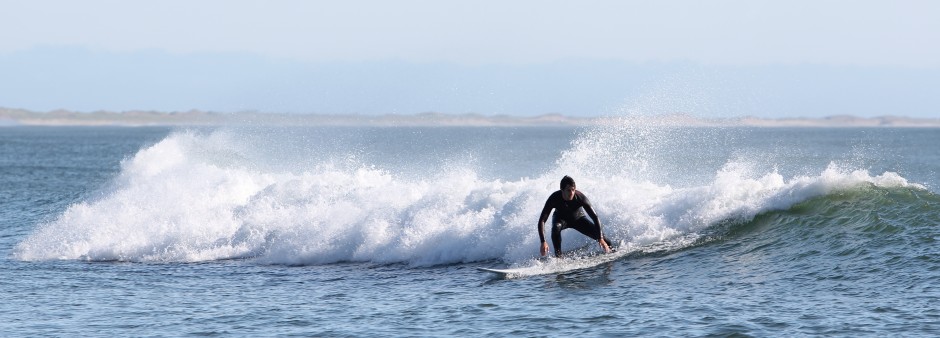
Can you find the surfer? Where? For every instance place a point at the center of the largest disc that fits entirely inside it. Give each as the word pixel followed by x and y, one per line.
pixel 570 205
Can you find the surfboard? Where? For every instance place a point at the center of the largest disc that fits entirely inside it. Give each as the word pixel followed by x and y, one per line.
pixel 556 265
pixel 499 272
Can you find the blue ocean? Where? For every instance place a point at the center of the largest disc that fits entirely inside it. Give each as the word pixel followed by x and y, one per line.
pixel 378 231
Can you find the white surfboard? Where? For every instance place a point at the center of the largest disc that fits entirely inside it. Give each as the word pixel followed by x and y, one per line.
pixel 556 265
pixel 500 272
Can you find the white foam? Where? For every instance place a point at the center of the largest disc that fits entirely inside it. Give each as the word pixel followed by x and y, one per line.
pixel 197 197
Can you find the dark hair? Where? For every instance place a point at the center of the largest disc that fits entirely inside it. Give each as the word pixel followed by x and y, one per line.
pixel 566 181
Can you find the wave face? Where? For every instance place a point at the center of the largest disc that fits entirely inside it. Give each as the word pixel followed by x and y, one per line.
pixel 869 241
pixel 426 196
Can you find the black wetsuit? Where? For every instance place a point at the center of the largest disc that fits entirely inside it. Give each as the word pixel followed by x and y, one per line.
pixel 570 214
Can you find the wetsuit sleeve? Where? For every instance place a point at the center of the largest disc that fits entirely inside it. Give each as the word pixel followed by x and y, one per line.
pixel 590 211
pixel 544 217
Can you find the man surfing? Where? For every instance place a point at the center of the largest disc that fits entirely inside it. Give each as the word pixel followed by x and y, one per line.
pixel 570 205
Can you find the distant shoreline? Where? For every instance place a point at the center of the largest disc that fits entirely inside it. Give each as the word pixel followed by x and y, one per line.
pixel 20 117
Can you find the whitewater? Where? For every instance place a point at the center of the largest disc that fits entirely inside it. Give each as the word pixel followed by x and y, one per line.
pixel 202 196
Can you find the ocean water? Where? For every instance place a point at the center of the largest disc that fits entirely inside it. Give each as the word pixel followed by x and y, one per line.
pixel 357 231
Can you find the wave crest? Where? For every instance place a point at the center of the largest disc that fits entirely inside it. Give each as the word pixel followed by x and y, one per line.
pixel 198 197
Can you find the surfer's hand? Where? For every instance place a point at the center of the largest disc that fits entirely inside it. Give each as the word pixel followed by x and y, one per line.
pixel 544 249
pixel 604 245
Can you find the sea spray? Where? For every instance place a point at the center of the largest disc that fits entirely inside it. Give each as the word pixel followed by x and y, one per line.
pixel 279 198
pixel 192 198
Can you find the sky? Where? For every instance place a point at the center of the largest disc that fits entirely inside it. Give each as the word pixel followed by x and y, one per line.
pixel 583 58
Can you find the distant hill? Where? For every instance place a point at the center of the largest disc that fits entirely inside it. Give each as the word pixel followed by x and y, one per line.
pixel 20 117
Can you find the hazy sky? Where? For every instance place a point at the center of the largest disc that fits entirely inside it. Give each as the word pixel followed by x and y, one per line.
pixel 763 58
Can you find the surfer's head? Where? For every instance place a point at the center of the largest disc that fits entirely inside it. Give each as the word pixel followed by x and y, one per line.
pixel 567 188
